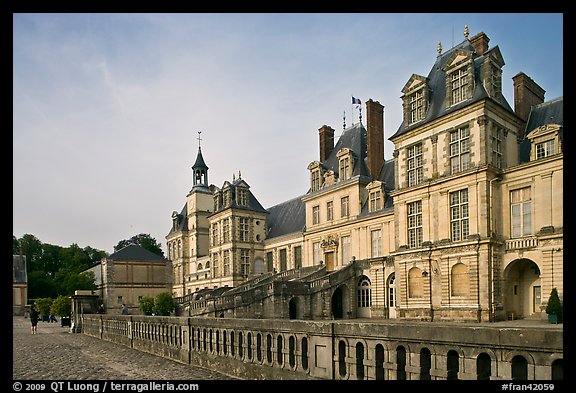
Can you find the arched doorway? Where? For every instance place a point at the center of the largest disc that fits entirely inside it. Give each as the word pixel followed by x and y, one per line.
pixel 340 303
pixel 522 289
pixel 294 308
pixel 364 298
pixel 391 295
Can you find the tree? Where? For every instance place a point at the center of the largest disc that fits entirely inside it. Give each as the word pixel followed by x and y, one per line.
pixel 554 306
pixel 32 248
pixel 145 241
pixel 44 304
pixel 62 306
pixel 41 285
pixel 69 282
pixel 163 304
pixel 146 305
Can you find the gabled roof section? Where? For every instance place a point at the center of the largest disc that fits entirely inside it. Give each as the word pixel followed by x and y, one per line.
pixel 181 221
pixel 135 252
pixel 437 84
pixel 547 113
pixel 415 82
pixel 353 138
pixel 286 217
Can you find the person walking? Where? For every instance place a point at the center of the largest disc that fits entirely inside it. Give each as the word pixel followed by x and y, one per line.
pixel 34 315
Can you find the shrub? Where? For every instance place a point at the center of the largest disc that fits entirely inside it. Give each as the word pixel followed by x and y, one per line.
pixel 163 304
pixel 62 306
pixel 146 305
pixel 44 305
pixel 554 305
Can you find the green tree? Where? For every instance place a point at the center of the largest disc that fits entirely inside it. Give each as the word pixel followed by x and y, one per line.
pixel 146 305
pixel 32 248
pixel 163 304
pixel 44 304
pixel 554 306
pixel 41 285
pixel 145 241
pixel 62 306
pixel 70 281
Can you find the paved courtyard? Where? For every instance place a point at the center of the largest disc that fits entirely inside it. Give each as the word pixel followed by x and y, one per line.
pixel 55 354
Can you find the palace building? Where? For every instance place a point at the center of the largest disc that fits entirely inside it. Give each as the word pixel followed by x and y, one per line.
pixel 464 223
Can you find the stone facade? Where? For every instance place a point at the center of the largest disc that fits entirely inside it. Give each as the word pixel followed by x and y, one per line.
pixel 464 223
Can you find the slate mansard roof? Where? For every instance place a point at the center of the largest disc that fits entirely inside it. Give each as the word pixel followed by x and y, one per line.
pixel 546 113
pixel 437 88
pixel 286 217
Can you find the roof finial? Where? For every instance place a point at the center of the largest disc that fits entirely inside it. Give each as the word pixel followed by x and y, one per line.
pixel 239 174
pixel 439 49
pixel 199 139
pixel 466 31
pixel 344 125
pixel 233 177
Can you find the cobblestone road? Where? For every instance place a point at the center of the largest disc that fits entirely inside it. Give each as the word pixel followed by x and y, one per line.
pixel 53 353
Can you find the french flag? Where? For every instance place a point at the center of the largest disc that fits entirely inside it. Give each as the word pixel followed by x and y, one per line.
pixel 356 101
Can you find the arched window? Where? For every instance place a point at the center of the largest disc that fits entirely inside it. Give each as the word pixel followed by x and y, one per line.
pixel 364 293
pixel 483 367
pixel 415 283
pixel 425 364
pixel 342 358
pixel 519 368
pixel 400 363
pixel 460 282
pixel 379 355
pixel 359 360
pixel 452 365
pixel 305 353
pixel 558 369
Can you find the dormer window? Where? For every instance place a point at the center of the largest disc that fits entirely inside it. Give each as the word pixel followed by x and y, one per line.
pixel 459 71
pixel 316 176
pixel 415 99
pixel 242 197
pixel 375 196
pixel 345 163
pixel 545 141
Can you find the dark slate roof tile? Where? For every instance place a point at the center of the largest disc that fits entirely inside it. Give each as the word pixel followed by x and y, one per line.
pixel 134 252
pixel 286 217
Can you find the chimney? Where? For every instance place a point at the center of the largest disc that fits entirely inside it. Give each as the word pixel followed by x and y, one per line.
pixel 375 142
pixel 480 43
pixel 526 94
pixel 326 142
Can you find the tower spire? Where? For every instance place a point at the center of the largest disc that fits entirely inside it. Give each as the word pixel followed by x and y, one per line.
pixel 199 169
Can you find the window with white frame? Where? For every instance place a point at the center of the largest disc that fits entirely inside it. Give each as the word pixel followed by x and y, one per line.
pixel 315 215
pixel 545 149
pixel 364 298
pixel 416 106
pixel 344 167
pixel 215 234
pixel 345 206
pixel 521 212
pixel 244 262
pixel 226 262
pixel 329 211
pixel 345 241
pixel 242 196
pixel 459 220
pixel 376 242
pixel 215 264
pixel 415 224
pixel 497 144
pixel 415 165
pixel 459 149
pixel 244 229
pixel 460 88
pixel 316 253
pixel 225 230
pixel 375 200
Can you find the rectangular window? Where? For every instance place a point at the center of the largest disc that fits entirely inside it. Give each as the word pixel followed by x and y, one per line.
pixel 297 257
pixel 243 229
pixel 316 215
pixel 215 234
pixel 459 150
pixel 497 147
pixel 344 207
pixel 226 230
pixel 316 253
pixel 329 211
pixel 416 107
pixel 270 261
pixel 215 264
pixel 344 168
pixel 376 241
pixel 283 259
pixel 226 262
pixel 459 85
pixel 119 300
pixel 345 249
pixel 415 224
pixel 521 212
pixel 242 197
pixel 315 180
pixel 244 262
pixel 459 221
pixel 415 165
pixel 545 149
pixel 375 200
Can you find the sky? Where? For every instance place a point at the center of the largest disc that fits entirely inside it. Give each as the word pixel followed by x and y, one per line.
pixel 107 107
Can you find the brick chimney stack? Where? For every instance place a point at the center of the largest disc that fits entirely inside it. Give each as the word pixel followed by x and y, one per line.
pixel 480 43
pixel 375 142
pixel 326 142
pixel 527 93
